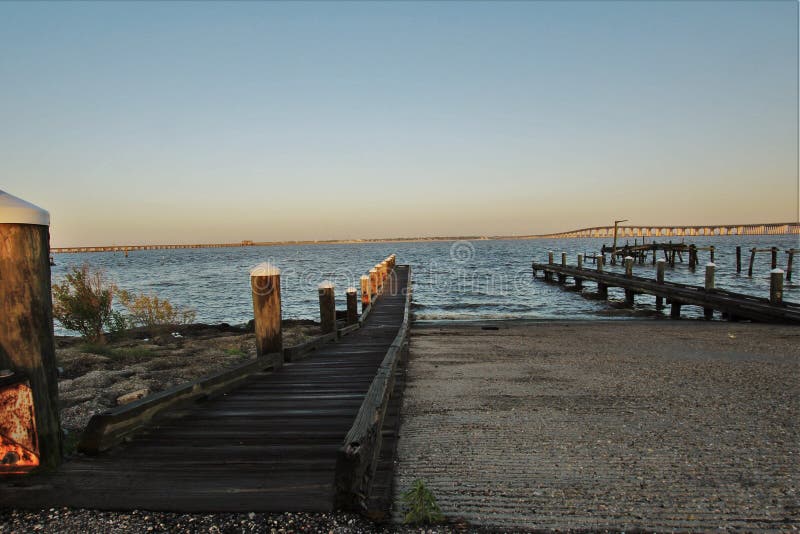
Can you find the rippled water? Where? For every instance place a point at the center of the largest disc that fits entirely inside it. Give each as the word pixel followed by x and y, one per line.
pixel 481 279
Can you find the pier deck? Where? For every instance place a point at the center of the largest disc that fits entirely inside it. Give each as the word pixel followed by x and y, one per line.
pixel 731 304
pixel 269 445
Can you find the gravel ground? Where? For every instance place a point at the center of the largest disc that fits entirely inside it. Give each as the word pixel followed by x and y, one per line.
pixel 70 521
pixel 655 425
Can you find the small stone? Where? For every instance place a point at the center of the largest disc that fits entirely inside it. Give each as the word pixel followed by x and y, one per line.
pixel 132 396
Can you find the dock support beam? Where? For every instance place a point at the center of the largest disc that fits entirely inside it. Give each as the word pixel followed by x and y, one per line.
pixel 675 310
pixel 776 286
pixel 738 259
pixel 710 269
pixel 660 268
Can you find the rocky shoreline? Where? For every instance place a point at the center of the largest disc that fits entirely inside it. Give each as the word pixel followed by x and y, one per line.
pixel 94 378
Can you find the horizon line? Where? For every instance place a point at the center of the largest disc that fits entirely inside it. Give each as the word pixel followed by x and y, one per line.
pixel 792 228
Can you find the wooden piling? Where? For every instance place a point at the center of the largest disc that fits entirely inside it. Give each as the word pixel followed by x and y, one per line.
pixel 600 262
pixel 675 309
pixel 550 257
pixel 327 307
pixel 365 293
pixel 660 269
pixel 752 260
pixel 564 259
pixel 373 283
pixel 738 259
pixel 379 270
pixel 628 266
pixel 774 258
pixel 26 316
pixel 776 286
pixel 580 261
pixel 265 284
pixel 692 256
pixel 629 293
pixel 711 253
pixel 709 286
pixel 352 305
pixel 789 265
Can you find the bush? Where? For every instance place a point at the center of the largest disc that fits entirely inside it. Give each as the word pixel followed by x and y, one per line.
pixel 420 505
pixel 83 302
pixel 152 312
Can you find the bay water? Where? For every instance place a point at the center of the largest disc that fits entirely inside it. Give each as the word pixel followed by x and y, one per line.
pixel 452 280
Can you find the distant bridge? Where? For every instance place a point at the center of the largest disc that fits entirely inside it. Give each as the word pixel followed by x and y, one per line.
pixel 597 231
pixel 681 231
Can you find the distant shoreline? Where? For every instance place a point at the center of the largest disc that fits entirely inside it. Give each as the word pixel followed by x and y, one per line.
pixel 599 232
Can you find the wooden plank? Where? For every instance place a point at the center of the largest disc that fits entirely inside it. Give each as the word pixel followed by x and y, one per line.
pixel 271 444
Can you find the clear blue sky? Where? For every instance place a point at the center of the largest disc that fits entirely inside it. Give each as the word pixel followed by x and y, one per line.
pixel 186 122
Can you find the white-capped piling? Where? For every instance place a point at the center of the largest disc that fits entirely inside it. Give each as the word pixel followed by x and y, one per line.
pixel 265 285
pixel 365 292
pixel 373 282
pixel 629 293
pixel 26 315
pixel 352 305
pixel 379 277
pixel 710 271
pixel 327 307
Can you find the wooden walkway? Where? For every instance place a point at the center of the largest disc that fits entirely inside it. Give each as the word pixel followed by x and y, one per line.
pixel 270 445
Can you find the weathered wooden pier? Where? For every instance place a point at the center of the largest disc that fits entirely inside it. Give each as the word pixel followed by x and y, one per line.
pixel 731 305
pixel 308 428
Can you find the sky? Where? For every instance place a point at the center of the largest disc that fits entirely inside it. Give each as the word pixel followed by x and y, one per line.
pixel 186 122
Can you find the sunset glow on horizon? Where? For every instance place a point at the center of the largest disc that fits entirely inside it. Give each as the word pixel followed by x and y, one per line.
pixel 139 123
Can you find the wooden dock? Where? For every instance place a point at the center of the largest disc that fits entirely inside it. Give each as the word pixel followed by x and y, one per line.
pixel 270 445
pixel 731 305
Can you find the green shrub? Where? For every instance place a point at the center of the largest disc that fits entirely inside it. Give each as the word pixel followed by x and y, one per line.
pixel 82 302
pixel 152 312
pixel 420 505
